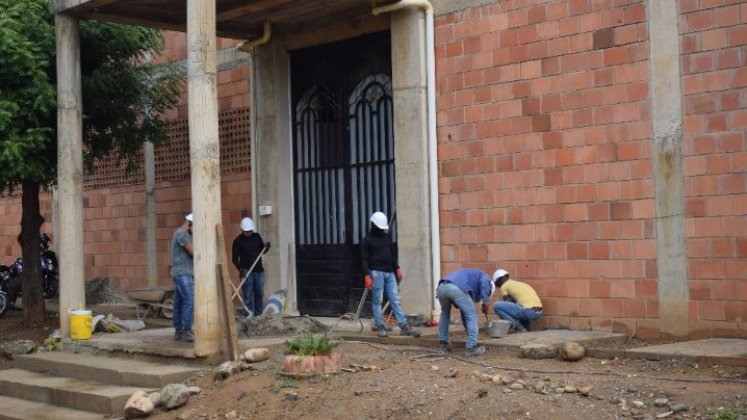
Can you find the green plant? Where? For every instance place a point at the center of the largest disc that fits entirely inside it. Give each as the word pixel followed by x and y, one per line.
pixel 729 414
pixel 309 345
pixel 284 383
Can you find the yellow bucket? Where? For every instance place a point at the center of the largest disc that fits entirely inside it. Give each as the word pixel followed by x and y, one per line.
pixel 81 321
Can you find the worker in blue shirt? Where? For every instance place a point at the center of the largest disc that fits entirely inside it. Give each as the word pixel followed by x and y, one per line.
pixel 463 288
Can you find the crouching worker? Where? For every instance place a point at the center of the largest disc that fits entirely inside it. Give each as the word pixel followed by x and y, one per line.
pixel 520 304
pixel 463 288
pixel 380 266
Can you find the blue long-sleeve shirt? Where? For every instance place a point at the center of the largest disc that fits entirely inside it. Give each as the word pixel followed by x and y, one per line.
pixel 474 282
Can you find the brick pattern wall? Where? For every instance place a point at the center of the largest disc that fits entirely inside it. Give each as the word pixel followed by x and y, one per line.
pixel 545 157
pixel 713 39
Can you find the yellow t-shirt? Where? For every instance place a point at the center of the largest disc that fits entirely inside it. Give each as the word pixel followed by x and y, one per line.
pixel 522 293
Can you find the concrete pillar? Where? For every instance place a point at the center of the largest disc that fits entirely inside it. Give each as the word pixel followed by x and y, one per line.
pixel 411 159
pixel 204 151
pixel 150 214
pixel 69 168
pixel 272 176
pixel 666 106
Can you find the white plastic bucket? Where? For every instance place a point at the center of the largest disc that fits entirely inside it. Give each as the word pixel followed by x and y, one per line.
pixel 498 328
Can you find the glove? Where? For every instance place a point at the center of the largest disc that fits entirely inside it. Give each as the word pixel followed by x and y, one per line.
pixel 398 274
pixel 368 282
pixel 485 308
pixel 267 246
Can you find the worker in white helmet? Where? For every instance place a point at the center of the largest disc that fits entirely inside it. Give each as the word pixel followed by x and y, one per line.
pixel 183 275
pixel 246 252
pixel 382 273
pixel 520 304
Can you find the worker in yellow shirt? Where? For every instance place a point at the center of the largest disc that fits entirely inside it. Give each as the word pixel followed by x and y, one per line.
pixel 520 304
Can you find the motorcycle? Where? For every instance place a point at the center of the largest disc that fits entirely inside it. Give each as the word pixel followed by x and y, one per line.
pixel 50 269
pixel 4 277
pixel 10 284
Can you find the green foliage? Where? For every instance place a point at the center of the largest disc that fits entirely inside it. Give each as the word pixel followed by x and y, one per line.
pixel 729 414
pixel 283 383
pixel 309 345
pixel 124 94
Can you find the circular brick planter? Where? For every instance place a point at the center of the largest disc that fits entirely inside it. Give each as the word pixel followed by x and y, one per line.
pixel 312 365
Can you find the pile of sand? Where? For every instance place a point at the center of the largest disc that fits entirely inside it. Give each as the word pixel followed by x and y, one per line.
pixel 274 325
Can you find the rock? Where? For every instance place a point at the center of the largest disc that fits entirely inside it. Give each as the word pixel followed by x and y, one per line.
pixel 538 351
pixel 455 373
pixel 227 369
pixel 486 378
pixel 17 348
pixel 570 389
pixel 560 390
pixel 256 355
pixel 585 390
pixel 231 415
pixel 174 396
pixel 482 393
pixel 496 379
pixel 661 402
pixel 539 386
pixel 434 368
pixel 185 415
pixel 138 406
pixel 516 386
pixel 194 390
pixel 571 351
pixel 638 404
pixel 678 408
pixel 507 380
pixel 155 397
pixel 507 391
pixel 664 415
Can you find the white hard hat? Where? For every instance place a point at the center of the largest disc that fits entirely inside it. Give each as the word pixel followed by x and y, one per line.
pixel 499 273
pixel 189 218
pixel 379 219
pixel 492 288
pixel 247 224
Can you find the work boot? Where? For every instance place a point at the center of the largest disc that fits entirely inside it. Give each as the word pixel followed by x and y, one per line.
pixel 381 331
pixel 188 337
pixel 474 351
pixel 406 329
pixel 374 328
pixel 178 335
pixel 444 347
pixel 518 328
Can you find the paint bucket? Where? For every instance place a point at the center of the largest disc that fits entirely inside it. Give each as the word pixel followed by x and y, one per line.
pixel 81 324
pixel 275 304
pixel 498 328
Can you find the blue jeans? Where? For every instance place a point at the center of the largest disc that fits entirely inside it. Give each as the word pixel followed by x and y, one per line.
pixel 515 313
pixel 254 289
pixel 448 295
pixel 184 302
pixel 385 282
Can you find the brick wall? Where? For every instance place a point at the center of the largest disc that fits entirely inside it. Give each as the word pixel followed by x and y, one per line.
pixel 713 39
pixel 545 156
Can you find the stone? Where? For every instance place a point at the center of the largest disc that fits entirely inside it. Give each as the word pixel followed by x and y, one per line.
pixel 231 415
pixel 516 386
pixel 507 380
pixel 507 391
pixel 138 406
pixel 174 396
pixel 560 390
pixel 678 408
pixel 496 379
pixel 194 390
pixel 572 351
pixel 664 415
pixel 256 355
pixel 638 404
pixel 539 386
pixel 538 351
pixel 227 369
pixel 585 390
pixel 434 368
pixel 155 397
pixel 17 348
pixel 570 389
pixel 661 402
pixel 186 415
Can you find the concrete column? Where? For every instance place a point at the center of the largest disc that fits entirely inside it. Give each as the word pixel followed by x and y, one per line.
pixel 666 105
pixel 150 214
pixel 69 169
pixel 411 158
pixel 273 174
pixel 204 151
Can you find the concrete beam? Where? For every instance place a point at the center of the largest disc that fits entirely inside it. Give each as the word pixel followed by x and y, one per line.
pixel 69 169
pixel 76 6
pixel 669 177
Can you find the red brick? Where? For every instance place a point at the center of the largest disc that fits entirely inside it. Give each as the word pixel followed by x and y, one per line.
pixel 577 251
pixel 541 123
pixel 737 35
pixel 714 39
pixel 577 7
pixel 612 308
pixel 699 21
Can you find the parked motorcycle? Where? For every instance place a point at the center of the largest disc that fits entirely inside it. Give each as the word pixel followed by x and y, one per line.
pixel 10 284
pixel 4 277
pixel 11 276
pixel 50 269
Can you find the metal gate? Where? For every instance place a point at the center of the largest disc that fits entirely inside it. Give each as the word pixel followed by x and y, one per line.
pixel 343 165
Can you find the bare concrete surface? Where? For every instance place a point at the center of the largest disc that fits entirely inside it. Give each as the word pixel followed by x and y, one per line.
pixel 18 409
pixel 715 350
pixel 118 371
pixel 155 341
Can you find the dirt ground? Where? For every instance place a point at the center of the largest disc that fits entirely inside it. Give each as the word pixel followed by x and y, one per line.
pixel 402 384
pixel 407 386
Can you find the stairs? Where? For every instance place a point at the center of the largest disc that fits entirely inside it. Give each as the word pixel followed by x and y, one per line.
pixel 60 385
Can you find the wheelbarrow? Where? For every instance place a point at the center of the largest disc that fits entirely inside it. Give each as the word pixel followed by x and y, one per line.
pixel 153 301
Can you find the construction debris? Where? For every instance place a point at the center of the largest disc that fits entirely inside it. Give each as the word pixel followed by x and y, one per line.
pixel 100 290
pixel 277 325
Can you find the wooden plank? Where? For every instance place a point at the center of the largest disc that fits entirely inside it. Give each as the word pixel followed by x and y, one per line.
pixel 224 289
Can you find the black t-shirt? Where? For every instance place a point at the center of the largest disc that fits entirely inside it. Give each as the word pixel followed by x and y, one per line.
pixel 376 252
pixel 246 250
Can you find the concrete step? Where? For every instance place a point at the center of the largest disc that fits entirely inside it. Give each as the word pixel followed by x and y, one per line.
pixel 125 372
pixel 17 409
pixel 96 397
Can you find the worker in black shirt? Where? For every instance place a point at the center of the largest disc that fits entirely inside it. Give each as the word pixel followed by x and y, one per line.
pixel 247 248
pixel 380 266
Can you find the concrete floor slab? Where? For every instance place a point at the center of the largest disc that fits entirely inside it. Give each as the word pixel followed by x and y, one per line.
pixel 20 409
pixel 710 348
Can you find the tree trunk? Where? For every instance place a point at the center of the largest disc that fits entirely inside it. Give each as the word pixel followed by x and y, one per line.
pixel 31 221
